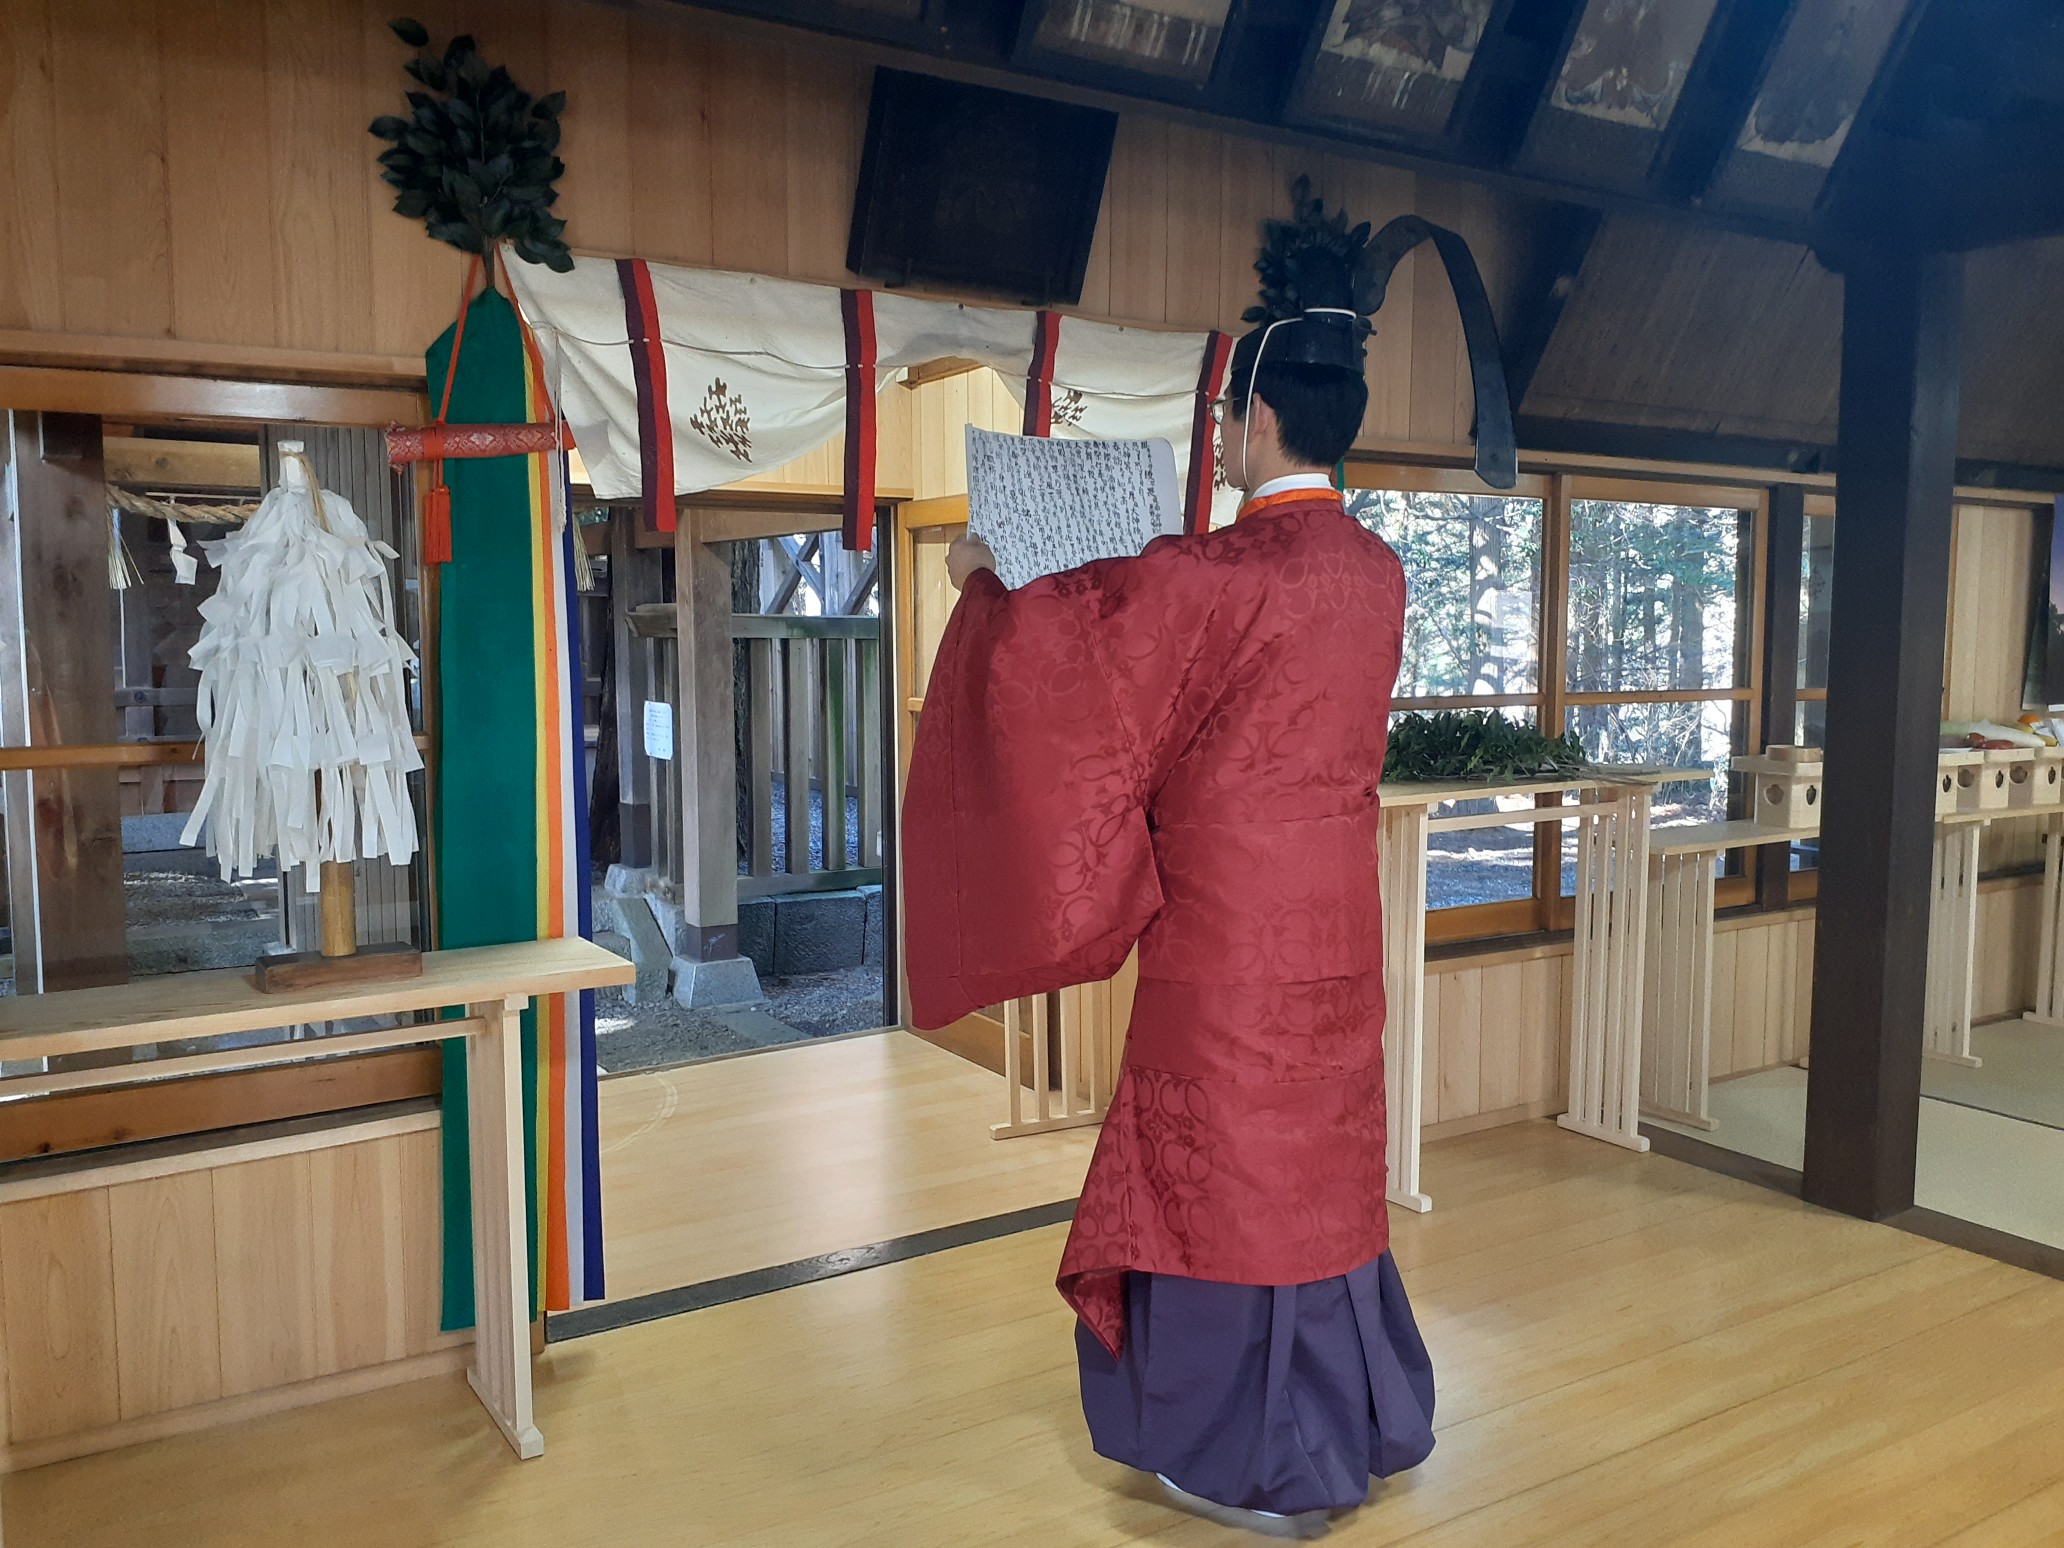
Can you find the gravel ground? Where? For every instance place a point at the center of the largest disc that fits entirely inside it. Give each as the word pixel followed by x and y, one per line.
pixel 637 1037
pixel 176 898
pixel 816 829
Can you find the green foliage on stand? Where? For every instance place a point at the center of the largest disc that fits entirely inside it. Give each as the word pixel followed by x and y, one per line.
pixel 1475 744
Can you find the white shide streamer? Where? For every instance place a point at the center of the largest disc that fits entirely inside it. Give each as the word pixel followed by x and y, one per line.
pixel 304 689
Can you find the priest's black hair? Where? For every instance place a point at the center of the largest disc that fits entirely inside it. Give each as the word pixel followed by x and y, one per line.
pixel 1318 409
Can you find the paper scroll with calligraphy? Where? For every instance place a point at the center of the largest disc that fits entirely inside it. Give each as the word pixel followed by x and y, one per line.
pixel 1044 505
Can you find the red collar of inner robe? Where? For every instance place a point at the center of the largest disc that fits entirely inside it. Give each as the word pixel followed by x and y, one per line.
pixel 1287 497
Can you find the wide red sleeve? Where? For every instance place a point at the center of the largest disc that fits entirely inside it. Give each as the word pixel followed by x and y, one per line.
pixel 1051 714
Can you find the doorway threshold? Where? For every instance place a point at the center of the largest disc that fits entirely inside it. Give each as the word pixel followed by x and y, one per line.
pixel 561 1327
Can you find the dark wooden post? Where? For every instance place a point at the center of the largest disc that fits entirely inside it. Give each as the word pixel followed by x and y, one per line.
pixel 634 579
pixel 57 688
pixel 1783 573
pixel 708 969
pixel 1902 337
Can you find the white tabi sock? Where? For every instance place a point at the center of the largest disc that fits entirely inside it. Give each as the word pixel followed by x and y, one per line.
pixel 1263 1523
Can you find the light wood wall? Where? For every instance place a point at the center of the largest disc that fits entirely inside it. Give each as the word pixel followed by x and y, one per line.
pixel 1992 552
pixel 941 412
pixel 1497 1040
pixel 1762 992
pixel 193 181
pixel 141 1299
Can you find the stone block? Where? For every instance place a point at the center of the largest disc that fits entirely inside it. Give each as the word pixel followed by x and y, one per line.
pixel 631 878
pixel 707 985
pixel 756 932
pixel 876 924
pixel 819 932
pixel 672 917
pixel 651 952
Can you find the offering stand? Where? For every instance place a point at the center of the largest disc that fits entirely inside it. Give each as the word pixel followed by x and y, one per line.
pixel 1612 817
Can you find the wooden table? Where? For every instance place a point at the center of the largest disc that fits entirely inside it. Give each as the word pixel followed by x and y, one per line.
pixel 492 983
pixel 1612 816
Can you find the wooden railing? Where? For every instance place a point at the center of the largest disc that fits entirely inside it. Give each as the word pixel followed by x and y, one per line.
pixel 811 771
pixel 813 716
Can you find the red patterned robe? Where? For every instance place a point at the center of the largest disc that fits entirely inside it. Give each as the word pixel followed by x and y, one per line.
pixel 1181 750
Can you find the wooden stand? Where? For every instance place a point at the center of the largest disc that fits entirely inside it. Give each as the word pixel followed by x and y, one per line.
pixel 281 971
pixel 492 983
pixel 1676 1056
pixel 340 961
pixel 1611 917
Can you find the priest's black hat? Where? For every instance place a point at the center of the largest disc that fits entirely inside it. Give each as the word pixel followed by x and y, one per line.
pixel 1320 284
pixel 1316 294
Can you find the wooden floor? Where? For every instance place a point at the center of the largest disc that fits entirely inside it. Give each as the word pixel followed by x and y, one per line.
pixel 714 1169
pixel 1629 1352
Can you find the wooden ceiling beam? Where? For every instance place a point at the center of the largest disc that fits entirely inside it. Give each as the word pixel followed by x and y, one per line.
pixel 1523 46
pixel 938 370
pixel 1733 59
pixel 149 463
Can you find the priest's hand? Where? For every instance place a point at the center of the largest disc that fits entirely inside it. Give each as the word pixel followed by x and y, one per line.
pixel 967 555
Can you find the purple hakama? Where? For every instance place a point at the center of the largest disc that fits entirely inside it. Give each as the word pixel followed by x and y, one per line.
pixel 1273 1398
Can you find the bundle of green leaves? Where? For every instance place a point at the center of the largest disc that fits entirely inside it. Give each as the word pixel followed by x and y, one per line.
pixel 1475 744
pixel 474 160
pixel 1315 259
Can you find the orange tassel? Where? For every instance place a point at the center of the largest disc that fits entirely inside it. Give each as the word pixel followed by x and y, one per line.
pixel 437 537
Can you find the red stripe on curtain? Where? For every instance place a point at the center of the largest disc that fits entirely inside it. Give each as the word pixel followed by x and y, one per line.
pixel 1218 351
pixel 648 371
pixel 1046 340
pixel 856 308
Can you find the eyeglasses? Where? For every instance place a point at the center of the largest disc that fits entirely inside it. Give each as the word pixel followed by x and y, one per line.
pixel 1218 409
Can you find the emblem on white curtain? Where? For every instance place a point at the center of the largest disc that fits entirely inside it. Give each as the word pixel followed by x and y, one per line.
pixel 1068 407
pixel 1218 478
pixel 723 421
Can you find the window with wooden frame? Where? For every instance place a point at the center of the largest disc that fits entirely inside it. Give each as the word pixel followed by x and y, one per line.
pixel 1625 611
pixel 1662 666
pixel 1816 596
pixel 1474 567
pixel 135 902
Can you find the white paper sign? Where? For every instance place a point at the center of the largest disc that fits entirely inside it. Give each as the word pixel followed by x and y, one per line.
pixel 1044 506
pixel 659 729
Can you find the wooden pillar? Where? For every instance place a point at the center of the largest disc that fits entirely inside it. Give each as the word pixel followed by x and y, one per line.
pixel 1896 457
pixel 634 579
pixel 1784 574
pixel 708 969
pixel 57 680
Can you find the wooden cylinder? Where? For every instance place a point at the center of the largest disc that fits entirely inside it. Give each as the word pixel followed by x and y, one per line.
pixel 339 910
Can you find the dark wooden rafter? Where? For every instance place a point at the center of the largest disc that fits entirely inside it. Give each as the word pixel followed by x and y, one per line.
pixel 1252 102
pixel 1523 45
pixel 1561 244
pixel 1718 93
pixel 1966 132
